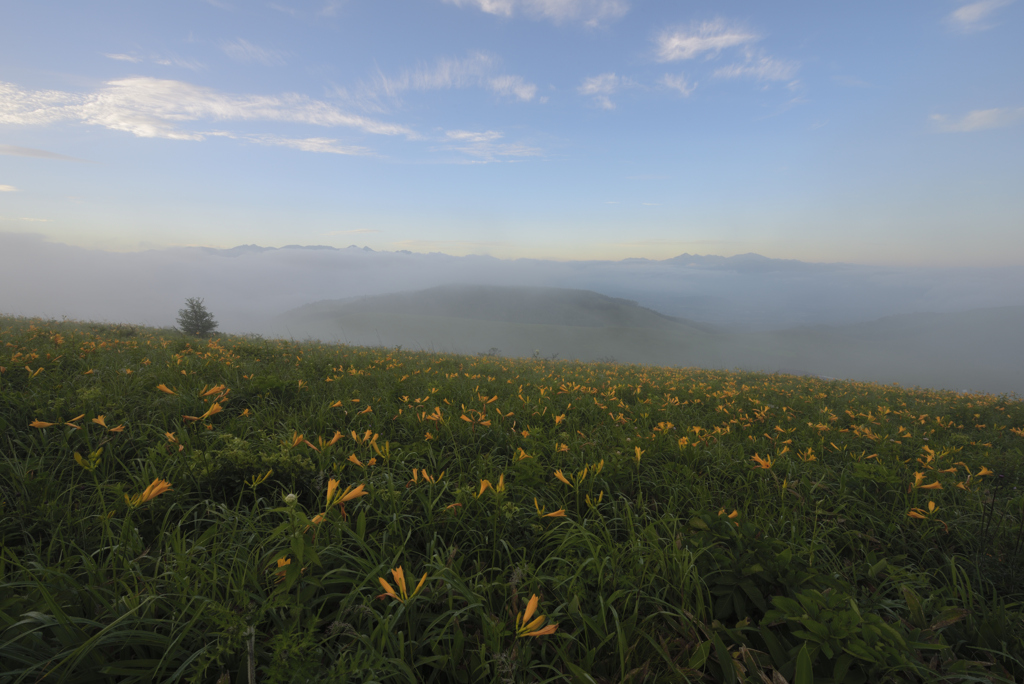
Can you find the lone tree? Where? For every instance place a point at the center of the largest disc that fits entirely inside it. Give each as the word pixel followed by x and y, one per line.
pixel 194 319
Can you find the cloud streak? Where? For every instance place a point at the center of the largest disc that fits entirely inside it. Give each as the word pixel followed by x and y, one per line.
pixel 974 16
pixel 8 188
pixel 709 37
pixel 979 120
pixel 157 108
pixel 601 88
pixel 760 66
pixel 484 146
pixel 476 70
pixel 588 12
pixel 678 83
pixel 16 151
pixel 244 52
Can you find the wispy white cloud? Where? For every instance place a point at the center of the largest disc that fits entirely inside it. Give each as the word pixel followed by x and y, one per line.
pixel 761 67
pixel 325 145
pixel 162 60
pixel 979 120
pixel 245 52
pixel 484 146
pixel 123 58
pixel 156 108
pixel 8 188
pixel 514 86
pixel 678 83
pixel 174 60
pixel 474 71
pixel 588 12
pixel 708 37
pixel 16 151
pixel 330 8
pixel 282 8
pixel 601 87
pixel 974 16
pixel 24 218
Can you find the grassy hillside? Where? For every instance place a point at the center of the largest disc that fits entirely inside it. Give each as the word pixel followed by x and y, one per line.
pixel 239 509
pixel 973 350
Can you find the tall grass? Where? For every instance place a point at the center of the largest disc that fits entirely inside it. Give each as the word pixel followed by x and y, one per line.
pixel 676 524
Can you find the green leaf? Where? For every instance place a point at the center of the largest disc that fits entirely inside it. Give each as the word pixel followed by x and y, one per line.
pixel 842 666
pixel 361 525
pixel 700 656
pixel 725 660
pixel 804 667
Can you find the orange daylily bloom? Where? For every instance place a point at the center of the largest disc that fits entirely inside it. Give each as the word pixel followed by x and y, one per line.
pixel 163 388
pixel 281 562
pixel 216 408
pixel 155 489
pixel 40 424
pixel 100 420
pixel 985 471
pixel 353 459
pixel 399 577
pixel 560 476
pixel 919 478
pixel 525 627
pixel 350 493
pixel 764 463
pixel 484 484
pixel 921 514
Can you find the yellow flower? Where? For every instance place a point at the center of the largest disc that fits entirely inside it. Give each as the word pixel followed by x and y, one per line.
pixel 764 463
pixel 100 420
pixel 216 408
pixel 639 452
pixel 333 497
pixel 281 562
pixel 919 478
pixel 484 484
pixel 561 477
pixel 525 627
pixel 163 388
pixel 155 489
pixel 921 514
pixel 985 471
pixel 40 424
pixel 399 577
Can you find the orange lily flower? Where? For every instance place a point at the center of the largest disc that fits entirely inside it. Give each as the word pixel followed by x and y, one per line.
pixel 527 628
pixel 155 489
pixel 40 424
pixel 399 577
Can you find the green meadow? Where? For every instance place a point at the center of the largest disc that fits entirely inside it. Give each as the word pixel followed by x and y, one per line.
pixel 239 510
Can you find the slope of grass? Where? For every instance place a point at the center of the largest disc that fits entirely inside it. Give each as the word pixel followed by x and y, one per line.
pixel 226 511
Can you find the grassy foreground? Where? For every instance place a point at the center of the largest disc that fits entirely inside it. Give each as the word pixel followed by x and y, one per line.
pixel 238 510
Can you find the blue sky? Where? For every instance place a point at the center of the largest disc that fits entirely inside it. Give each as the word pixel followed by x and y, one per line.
pixel 874 132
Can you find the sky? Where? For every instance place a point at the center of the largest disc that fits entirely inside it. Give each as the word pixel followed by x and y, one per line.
pixel 871 133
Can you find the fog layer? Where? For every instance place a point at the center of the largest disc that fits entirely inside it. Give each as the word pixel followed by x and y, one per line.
pixel 778 305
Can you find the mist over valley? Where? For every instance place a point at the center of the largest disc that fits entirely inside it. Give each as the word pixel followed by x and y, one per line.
pixel 945 328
